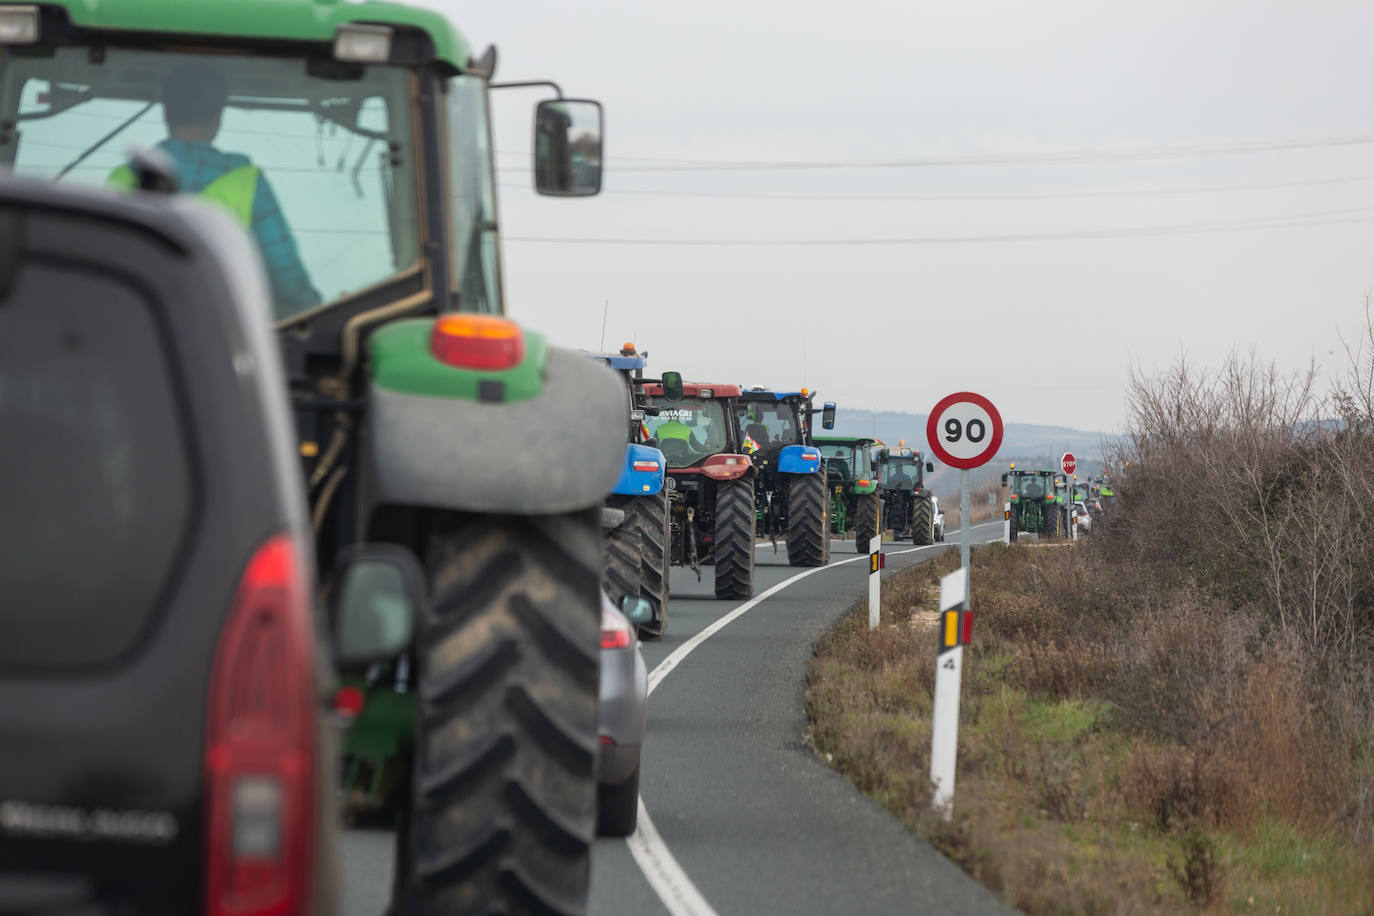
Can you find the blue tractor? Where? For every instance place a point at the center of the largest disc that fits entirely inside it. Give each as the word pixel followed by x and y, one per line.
pixel 791 494
pixel 635 515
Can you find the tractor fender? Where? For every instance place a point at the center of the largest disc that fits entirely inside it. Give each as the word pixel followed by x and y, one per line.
pixel 559 451
pixel 637 481
pixel 799 459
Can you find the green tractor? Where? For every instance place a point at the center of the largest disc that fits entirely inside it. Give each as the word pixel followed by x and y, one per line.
pixel 855 504
pixel 352 142
pixel 908 507
pixel 1037 504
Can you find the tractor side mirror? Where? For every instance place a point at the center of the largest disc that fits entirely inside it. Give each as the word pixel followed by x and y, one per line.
pixel 828 416
pixel 567 147
pixel 930 467
pixel 377 594
pixel 1004 480
pixel 636 609
pixel 672 386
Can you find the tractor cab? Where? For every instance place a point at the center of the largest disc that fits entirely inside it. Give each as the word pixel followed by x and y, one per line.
pixel 695 427
pixel 351 140
pixel 849 462
pixel 770 421
pixel 901 468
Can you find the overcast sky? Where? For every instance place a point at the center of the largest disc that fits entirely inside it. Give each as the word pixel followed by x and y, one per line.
pixel 897 326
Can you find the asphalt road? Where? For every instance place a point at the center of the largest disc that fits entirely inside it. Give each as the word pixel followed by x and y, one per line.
pixel 745 818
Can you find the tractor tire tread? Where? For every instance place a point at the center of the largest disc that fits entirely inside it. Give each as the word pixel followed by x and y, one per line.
pixel 808 520
pixel 504 807
pixel 734 538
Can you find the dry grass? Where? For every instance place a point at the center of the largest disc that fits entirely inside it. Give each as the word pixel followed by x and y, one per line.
pixel 985 504
pixel 1123 748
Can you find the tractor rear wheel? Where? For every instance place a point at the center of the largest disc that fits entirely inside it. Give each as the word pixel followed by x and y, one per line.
pixel 503 809
pixel 808 520
pixel 649 517
pixel 922 522
pixel 624 543
pixel 734 538
pixel 1051 523
pixel 866 525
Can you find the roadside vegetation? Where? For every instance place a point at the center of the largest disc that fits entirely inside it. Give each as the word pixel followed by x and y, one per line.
pixel 1175 715
pixel 984 504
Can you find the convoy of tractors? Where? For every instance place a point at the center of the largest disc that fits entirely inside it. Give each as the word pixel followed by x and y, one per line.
pixel 424 421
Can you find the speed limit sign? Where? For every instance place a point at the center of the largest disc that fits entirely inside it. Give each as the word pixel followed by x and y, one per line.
pixel 964 430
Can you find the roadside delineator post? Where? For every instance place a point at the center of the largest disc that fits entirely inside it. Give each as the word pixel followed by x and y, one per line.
pixel 956 629
pixel 876 561
pixel 1006 523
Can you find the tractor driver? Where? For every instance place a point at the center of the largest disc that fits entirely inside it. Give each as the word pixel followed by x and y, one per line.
pixel 901 480
pixel 193 101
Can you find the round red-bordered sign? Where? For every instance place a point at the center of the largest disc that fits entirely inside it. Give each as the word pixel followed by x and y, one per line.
pixel 964 430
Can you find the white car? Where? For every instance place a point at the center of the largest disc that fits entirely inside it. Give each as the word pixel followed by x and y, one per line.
pixel 939 519
pixel 1084 517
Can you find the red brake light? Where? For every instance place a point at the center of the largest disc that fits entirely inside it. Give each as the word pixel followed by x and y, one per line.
pixel 864 483
pixel 615 630
pixel 349 702
pixel 645 465
pixel 260 744
pixel 477 342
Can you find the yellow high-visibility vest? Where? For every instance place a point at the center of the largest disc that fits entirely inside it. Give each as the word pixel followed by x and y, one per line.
pixel 234 190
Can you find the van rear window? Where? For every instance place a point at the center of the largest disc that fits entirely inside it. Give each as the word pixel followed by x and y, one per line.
pixel 95 487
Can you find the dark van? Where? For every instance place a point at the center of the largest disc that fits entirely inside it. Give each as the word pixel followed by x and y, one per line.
pixel 165 739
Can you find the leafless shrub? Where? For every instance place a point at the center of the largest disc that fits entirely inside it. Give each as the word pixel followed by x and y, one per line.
pixel 1263 490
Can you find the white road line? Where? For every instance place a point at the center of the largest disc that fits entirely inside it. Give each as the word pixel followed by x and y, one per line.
pixel 679 895
pixel 667 878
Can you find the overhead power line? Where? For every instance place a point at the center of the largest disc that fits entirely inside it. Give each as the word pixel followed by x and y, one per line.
pixel 1295 220
pixel 1046 158
pixel 936 198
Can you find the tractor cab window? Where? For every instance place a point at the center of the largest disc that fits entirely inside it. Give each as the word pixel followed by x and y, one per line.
pixel 688 430
pixel 314 159
pixel 901 474
pixel 1033 486
pixel 839 460
pixel 770 424
pixel 476 271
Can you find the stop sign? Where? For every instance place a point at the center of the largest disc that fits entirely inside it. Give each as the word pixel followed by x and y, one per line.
pixel 1068 464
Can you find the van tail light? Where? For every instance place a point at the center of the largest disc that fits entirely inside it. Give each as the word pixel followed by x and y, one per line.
pixel 260 743
pixel 615 629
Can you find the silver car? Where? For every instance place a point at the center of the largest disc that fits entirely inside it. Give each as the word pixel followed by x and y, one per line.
pixel 624 710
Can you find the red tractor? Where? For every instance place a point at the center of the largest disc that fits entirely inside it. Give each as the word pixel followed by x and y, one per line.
pixel 710 481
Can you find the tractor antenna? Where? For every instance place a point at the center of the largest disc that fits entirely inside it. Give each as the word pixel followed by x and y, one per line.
pixel 605 307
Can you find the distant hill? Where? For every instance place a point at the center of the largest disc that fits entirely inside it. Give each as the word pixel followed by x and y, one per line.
pixel 1027 444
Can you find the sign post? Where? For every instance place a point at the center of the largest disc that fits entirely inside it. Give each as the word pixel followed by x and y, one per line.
pixel 964 431
pixel 1068 464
